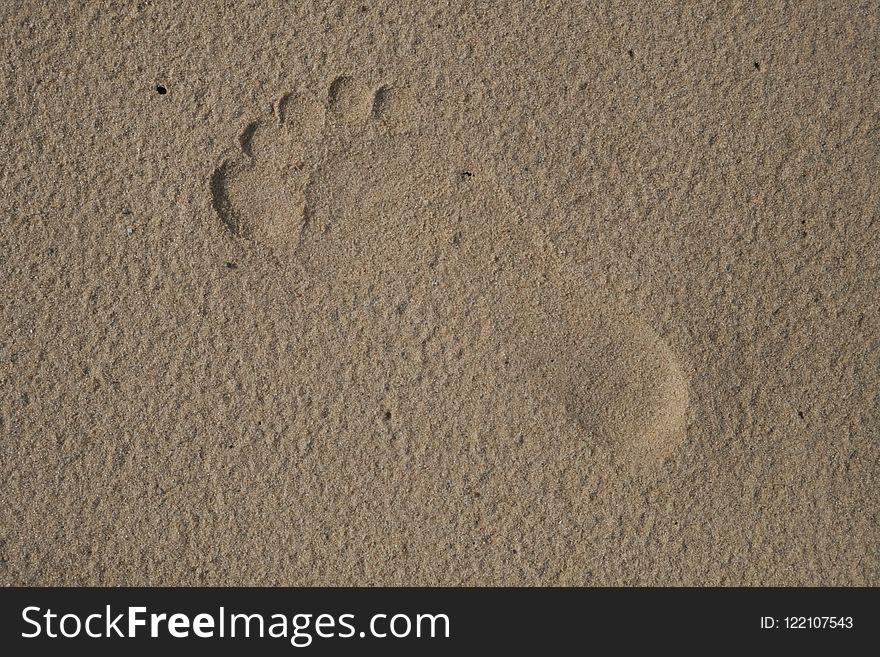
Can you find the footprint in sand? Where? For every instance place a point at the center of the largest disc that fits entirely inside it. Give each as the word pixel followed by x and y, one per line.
pixel 332 181
pixel 261 193
pixel 307 178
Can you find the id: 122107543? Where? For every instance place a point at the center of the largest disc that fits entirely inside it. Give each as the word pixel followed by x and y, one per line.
pixel 807 623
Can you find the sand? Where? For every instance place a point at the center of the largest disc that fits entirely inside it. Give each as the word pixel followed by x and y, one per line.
pixel 448 293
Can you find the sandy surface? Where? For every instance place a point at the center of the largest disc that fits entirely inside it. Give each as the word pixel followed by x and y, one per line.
pixel 378 293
